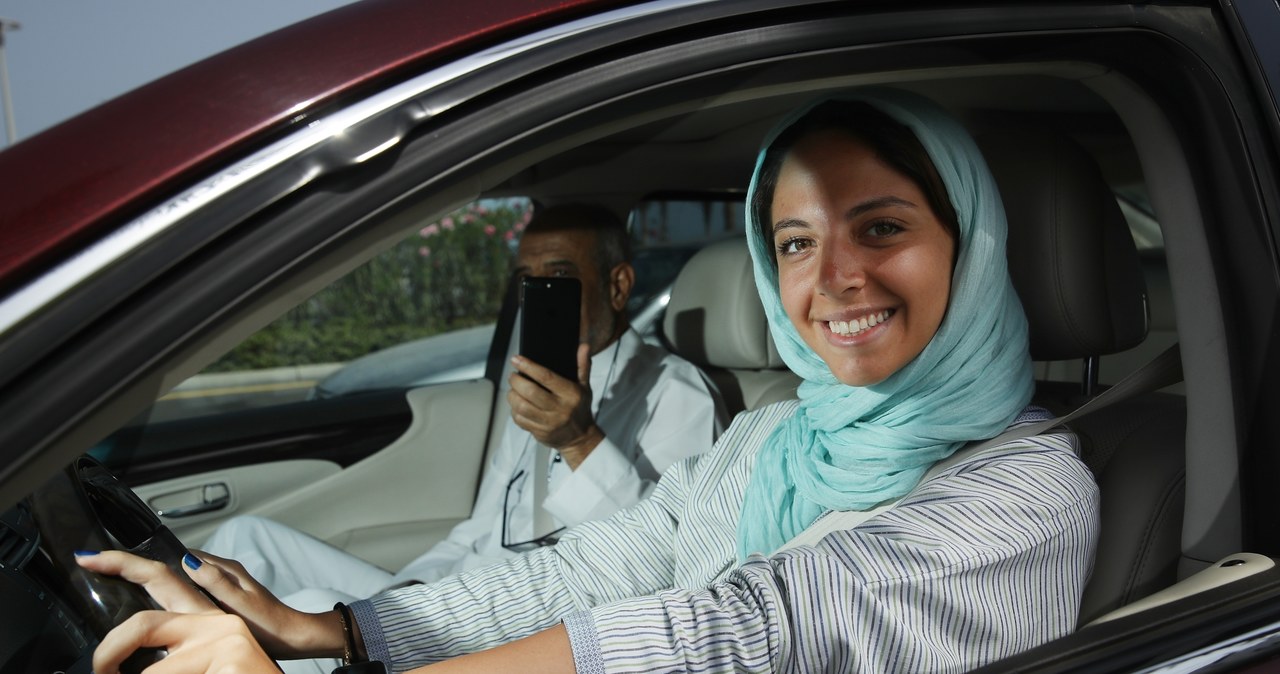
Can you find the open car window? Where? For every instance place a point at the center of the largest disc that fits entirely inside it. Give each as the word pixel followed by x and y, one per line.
pixel 421 312
pixel 446 278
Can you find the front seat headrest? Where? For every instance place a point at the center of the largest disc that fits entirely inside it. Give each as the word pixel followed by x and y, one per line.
pixel 1072 259
pixel 715 317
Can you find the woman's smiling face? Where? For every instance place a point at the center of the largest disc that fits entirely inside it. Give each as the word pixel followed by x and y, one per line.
pixel 864 264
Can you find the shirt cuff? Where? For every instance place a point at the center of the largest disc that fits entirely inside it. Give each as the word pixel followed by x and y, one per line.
pixel 587 658
pixel 596 480
pixel 375 642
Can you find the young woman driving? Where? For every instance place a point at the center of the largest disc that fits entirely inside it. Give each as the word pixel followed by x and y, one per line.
pixel 877 237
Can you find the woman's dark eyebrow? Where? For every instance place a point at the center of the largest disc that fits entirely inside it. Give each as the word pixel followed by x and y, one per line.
pixel 788 223
pixel 879 202
pixel 868 205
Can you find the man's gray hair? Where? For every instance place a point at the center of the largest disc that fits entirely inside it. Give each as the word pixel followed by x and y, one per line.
pixel 612 243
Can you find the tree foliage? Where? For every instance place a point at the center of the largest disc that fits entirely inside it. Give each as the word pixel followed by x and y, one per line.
pixel 448 275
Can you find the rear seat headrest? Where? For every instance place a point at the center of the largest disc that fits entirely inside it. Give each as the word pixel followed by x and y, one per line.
pixel 1072 259
pixel 715 296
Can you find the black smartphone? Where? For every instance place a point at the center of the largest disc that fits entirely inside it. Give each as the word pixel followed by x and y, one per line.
pixel 550 311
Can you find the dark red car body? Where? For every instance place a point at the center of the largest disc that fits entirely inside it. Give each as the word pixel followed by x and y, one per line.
pixel 140 146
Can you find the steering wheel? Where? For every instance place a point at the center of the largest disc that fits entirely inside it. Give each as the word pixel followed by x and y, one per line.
pixel 86 507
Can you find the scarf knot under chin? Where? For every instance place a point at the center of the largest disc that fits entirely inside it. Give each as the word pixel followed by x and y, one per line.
pixel 852 448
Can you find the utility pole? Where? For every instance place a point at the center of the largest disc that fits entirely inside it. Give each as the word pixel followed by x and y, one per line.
pixel 10 127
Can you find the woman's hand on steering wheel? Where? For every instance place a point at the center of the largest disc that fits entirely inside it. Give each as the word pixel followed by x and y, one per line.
pixel 260 617
pixel 198 635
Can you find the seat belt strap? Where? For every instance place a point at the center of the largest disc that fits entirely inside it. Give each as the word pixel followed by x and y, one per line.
pixel 1163 370
pixel 542 522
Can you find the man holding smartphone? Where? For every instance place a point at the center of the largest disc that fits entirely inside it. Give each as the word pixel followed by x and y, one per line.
pixel 573 450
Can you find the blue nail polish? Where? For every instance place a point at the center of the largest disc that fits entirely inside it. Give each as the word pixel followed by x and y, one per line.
pixel 85 553
pixel 191 561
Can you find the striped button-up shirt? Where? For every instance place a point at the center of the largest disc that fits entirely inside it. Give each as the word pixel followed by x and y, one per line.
pixel 984 560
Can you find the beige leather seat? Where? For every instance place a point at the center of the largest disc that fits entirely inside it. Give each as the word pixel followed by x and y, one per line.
pixel 715 320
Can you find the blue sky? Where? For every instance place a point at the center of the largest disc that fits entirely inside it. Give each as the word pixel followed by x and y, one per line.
pixel 70 55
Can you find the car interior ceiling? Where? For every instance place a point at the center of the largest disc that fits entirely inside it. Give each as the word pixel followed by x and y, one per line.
pixel 652 150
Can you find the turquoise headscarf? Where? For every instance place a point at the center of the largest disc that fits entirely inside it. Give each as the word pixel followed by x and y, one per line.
pixel 851 448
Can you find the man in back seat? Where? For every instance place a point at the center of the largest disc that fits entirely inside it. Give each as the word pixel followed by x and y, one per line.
pixel 601 442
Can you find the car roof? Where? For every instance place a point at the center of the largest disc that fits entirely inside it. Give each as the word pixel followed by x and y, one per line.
pixel 134 149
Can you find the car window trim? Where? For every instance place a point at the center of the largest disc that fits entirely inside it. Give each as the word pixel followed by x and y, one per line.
pixel 360 132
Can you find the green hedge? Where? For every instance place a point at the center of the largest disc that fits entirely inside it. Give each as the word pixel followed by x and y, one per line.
pixel 448 275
